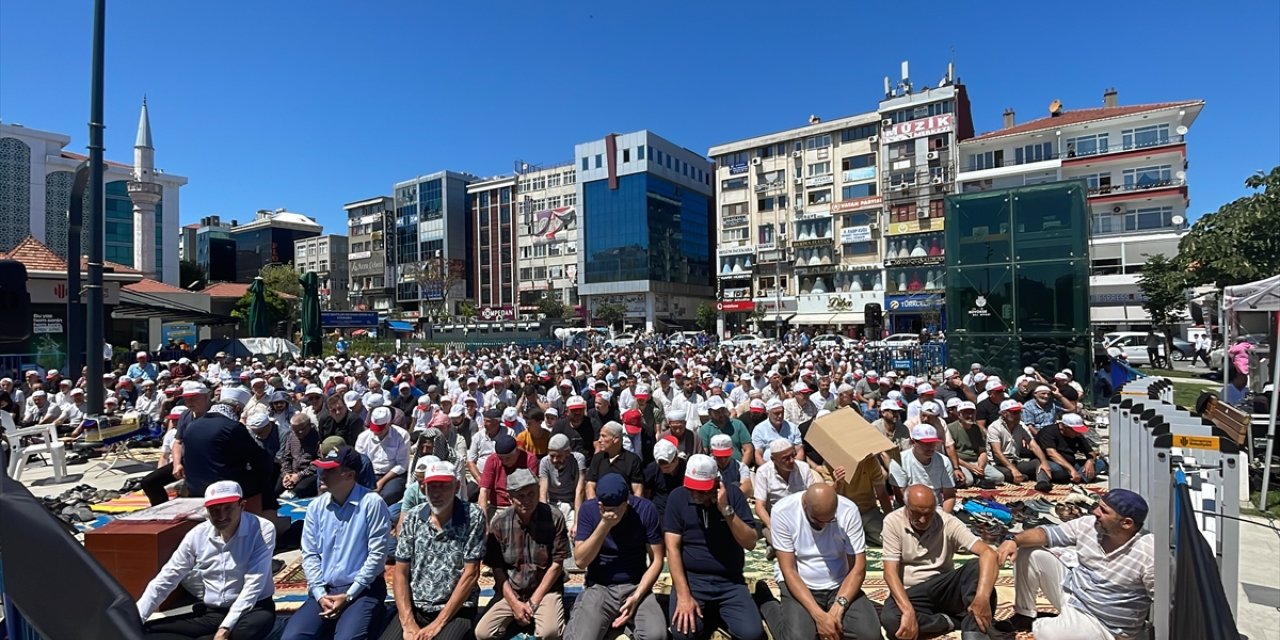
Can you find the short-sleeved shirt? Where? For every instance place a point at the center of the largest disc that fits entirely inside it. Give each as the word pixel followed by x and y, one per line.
pixel 1116 588
pixel 764 433
pixel 935 475
pixel 494 476
pixel 622 558
pixel 768 487
pixel 735 430
pixel 970 442
pixel 712 558
pixel 527 551
pixel 924 555
pixel 1051 437
pixel 988 411
pixel 626 464
pixel 562 484
pixel 659 485
pixel 859 485
pixel 436 556
pixel 822 557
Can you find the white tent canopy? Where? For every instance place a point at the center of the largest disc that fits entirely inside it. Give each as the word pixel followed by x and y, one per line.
pixel 1262 295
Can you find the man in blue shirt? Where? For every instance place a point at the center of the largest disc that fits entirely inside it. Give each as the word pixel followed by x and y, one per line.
pixel 708 525
pixel 345 542
pixel 614 531
pixel 142 369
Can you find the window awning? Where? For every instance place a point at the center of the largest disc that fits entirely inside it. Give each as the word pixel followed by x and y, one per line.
pixel 399 325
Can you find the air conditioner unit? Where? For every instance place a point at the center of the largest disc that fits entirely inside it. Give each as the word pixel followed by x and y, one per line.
pixel 903 187
pixel 939 180
pixel 933 155
pixel 755 162
pixel 922 214
pixel 1117 209
pixel 886 123
pixel 873 139
pixel 797 154
pixel 873 226
pixel 800 181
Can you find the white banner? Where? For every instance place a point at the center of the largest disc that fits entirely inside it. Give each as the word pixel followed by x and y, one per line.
pixel 860 233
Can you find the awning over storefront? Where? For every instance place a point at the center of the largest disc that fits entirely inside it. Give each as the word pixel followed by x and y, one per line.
pixel 782 317
pixel 399 325
pixel 141 306
pixel 1118 314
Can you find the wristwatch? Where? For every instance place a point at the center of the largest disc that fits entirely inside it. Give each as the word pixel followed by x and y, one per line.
pixel 727 510
pixel 843 602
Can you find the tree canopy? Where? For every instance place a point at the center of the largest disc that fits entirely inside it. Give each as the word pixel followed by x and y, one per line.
pixel 610 313
pixel 282 278
pixel 1238 243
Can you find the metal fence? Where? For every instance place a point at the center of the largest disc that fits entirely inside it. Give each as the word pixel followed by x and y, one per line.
pixel 917 360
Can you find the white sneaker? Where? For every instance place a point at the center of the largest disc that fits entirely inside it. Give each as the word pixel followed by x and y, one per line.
pixel 288 495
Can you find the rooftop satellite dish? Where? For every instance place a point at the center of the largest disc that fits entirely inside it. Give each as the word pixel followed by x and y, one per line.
pixel 1177 220
pixel 1055 107
pixel 1182 130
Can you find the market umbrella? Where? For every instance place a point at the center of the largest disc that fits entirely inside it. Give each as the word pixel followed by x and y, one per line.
pixel 312 336
pixel 259 324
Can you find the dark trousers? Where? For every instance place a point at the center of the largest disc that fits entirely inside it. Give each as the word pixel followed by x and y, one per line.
pixel 788 620
pixel 153 484
pixel 1030 470
pixel 458 628
pixel 393 490
pixel 306 487
pixel 937 601
pixel 730 607
pixel 203 622
pixel 361 619
pixel 1062 475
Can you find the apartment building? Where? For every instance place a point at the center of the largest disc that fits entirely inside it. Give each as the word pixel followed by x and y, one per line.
pixel 547 235
pixel 371 253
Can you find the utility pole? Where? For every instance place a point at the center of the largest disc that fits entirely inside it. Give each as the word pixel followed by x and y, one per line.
pixel 95 316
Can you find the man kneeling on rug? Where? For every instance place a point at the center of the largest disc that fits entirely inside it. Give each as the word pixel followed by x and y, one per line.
pixel 230 553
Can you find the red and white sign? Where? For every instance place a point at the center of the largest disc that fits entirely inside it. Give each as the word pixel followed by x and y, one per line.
pixel 867 202
pixel 921 127
pixel 736 305
pixel 496 314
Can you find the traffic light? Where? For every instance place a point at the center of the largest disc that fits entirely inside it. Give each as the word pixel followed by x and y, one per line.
pixel 15 302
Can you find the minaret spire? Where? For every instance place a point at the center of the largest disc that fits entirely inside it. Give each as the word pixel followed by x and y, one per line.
pixel 145 193
pixel 144 128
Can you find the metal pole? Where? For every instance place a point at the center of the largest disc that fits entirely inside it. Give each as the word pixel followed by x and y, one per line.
pixel 1271 426
pixel 777 262
pixel 95 317
pixel 75 299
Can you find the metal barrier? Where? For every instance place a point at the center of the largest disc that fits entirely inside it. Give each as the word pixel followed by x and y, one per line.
pixel 1153 443
pixel 919 359
pixel 13 365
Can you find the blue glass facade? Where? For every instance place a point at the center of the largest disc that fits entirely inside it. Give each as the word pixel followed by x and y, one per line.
pixel 118 226
pixel 646 229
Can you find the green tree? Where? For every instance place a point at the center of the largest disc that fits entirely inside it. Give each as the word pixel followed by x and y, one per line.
pixel 552 308
pixel 282 278
pixel 192 276
pixel 1164 284
pixel 1238 243
pixel 706 317
pixel 610 313
pixel 467 309
pixel 277 309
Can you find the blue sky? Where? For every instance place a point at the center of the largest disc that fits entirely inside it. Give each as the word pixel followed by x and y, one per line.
pixel 308 105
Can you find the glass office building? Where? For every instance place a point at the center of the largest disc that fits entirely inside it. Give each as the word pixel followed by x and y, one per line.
pixel 1018 279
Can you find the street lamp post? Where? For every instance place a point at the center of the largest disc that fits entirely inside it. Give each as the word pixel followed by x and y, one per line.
pixel 95 313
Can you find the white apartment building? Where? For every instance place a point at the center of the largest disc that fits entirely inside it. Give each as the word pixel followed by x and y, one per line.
pixel 797 228
pixel 1134 161
pixel 326 256
pixel 547 235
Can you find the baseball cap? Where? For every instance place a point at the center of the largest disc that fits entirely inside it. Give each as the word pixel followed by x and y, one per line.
pixel 222 492
pixel 440 471
pixel 800 387
pixel 575 402
pixel 715 403
pixel 772 404
pixel 521 478
pixel 1127 504
pixel 192 388
pixel 721 445
pixel 343 456
pixel 663 450
pixel 924 388
pixel 504 444
pixel 1075 422
pixel 953 401
pixel 510 415
pixel 642 391
pixel 633 421
pixel 965 405
pixel 351 398
pixel 925 433
pixel 890 405
pixel 77 391
pixel 700 473
pixel 379 419
pixel 611 489
pixel 330 444
pixel 930 408
pixel 1061 376
pixel 1010 405
pixel 995 385
pixel 758 406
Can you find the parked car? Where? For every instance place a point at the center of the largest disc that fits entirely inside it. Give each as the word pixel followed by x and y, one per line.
pixel 685 337
pixel 620 340
pixel 1134 345
pixel 747 340
pixel 899 340
pixel 1258 340
pixel 833 339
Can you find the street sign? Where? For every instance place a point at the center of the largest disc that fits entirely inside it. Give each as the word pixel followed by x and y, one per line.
pixel 348 319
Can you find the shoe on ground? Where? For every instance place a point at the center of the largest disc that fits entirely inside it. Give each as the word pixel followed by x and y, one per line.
pixel 1044 486
pixel 1015 624
pixel 288 495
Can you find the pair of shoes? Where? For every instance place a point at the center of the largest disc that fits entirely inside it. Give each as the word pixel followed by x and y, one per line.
pixel 985 484
pixel 1044 486
pixel 1067 511
pixel 1038 504
pixel 1015 624
pixel 288 495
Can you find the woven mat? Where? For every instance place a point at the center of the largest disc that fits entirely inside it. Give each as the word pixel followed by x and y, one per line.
pixel 127 503
pixel 1007 493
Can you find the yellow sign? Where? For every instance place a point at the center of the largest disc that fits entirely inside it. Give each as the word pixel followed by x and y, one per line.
pixel 1209 443
pixel 913 226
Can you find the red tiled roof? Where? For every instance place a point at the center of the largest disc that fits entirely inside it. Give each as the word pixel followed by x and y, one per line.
pixel 235 290
pixel 36 256
pixel 147 285
pixel 1078 116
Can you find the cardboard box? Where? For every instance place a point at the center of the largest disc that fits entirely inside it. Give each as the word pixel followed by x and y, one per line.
pixel 844 438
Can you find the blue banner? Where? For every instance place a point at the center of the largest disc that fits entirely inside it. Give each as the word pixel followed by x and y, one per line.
pixel 348 319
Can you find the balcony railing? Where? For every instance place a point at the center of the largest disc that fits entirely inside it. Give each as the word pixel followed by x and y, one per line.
pixel 1072 154
pixel 1146 186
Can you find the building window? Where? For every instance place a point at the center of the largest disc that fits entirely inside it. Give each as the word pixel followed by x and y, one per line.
pixel 741 234
pixel 818 142
pixel 570 177
pixel 570 199
pixel 858 161
pixel 768 203
pixel 733 184
pixel 902 150
pixel 860 132
pixel 766 284
pixel 936 209
pixel 599 160
pixel 819 168
pixel 1087 145
pixel 1148 177
pixel 1149 136
pixel 765 234
pixel 856 220
pixel 902 212
pixel 1033 153
pixel 640 152
pixel 902 178
pixel 1145 219
pixel 821 196
pixel 986 160
pixel 626 155
pixel 739 209
pixel 553 180
pixel 539 183
pixel 858 191
pixel 585 167
pixel 858 248
pixel 732 159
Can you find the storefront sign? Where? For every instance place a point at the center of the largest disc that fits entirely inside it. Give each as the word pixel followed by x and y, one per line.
pixel 736 293
pixel 1116 299
pixel 736 305
pixel 818 214
pixel 46 291
pixel 906 304
pixel 859 233
pixel 496 314
pixel 913 226
pixel 737 169
pixel 176 332
pixel 924 261
pixel 980 309
pixel 348 319
pixel 931 125
pixel 42 323
pixel 360 255
pixel 866 202
pixel 819 181
pixel 736 251
pixel 730 222
pixel 861 173
pixel 844 302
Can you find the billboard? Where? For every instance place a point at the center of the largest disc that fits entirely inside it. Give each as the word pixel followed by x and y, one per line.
pixel 348 319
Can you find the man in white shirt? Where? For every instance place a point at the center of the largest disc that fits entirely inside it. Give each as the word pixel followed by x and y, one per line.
pixel 148 402
pixel 923 465
pixel 231 554
pixel 388 449
pixel 778 478
pixel 822 561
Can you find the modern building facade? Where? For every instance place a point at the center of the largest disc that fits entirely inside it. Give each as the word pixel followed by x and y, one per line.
pixel 370 253
pixel 432 253
pixel 493 267
pixel 215 250
pixel 547 235
pixel 920 128
pixel 187 242
pixel 798 226
pixel 269 239
pixel 36 176
pixel 1133 159
pixel 326 256
pixel 645 239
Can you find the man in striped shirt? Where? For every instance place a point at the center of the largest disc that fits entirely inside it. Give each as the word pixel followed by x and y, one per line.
pixel 1108 594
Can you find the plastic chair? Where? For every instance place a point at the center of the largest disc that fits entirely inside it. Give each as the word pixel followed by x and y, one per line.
pixel 20 453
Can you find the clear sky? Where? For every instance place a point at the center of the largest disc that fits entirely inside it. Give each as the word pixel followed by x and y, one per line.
pixel 309 105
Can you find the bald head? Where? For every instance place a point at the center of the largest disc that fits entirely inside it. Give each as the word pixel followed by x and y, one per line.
pixel 820 498
pixel 921 497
